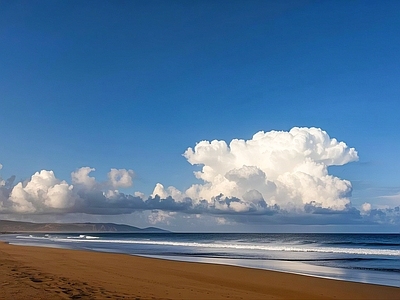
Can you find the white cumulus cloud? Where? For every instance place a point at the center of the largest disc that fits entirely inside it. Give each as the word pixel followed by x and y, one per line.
pixel 366 208
pixel 81 177
pixel 42 191
pixel 289 169
pixel 120 178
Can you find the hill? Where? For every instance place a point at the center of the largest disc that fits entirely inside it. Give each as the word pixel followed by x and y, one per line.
pixel 16 226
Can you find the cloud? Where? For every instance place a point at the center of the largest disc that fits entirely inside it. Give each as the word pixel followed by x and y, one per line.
pixel 117 178
pixel 289 169
pixel 43 192
pixel 366 208
pixel 120 178
pixel 159 216
pixel 389 200
pixel 276 177
pixel 81 177
pixel 384 216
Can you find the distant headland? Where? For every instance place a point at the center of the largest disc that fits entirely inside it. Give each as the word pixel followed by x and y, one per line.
pixel 17 226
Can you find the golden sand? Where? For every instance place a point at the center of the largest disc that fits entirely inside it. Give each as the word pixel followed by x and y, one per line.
pixel 45 273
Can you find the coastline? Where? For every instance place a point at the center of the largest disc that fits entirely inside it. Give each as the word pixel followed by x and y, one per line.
pixel 302 254
pixel 50 273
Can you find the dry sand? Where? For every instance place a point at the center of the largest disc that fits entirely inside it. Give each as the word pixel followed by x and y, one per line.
pixel 46 273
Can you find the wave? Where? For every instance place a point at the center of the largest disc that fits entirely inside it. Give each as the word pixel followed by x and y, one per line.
pixel 83 236
pixel 394 270
pixel 269 247
pixel 249 256
pixel 372 244
pixel 362 251
pixel 55 238
pixel 46 237
pixel 342 263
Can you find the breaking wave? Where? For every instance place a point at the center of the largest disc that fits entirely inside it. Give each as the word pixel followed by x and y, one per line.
pixel 259 247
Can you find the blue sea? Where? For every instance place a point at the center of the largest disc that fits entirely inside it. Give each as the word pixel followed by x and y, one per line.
pixel 368 258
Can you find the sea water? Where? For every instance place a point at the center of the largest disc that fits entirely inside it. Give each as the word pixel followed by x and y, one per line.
pixel 368 258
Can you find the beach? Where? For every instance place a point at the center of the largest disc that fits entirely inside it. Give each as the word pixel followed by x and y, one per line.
pixel 29 272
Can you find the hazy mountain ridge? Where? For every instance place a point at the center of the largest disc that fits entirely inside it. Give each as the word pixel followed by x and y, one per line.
pixel 16 226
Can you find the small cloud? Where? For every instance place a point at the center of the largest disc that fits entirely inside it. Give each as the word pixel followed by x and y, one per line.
pixel 81 177
pixel 159 216
pixel 120 178
pixel 396 197
pixel 366 208
pixel 222 221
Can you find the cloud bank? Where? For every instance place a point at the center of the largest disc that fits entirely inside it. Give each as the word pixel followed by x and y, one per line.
pixel 278 175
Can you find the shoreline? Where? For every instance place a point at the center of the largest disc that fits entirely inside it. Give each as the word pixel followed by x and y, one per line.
pixel 295 268
pixel 299 267
pixel 53 273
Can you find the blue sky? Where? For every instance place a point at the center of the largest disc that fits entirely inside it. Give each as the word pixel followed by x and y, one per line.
pixel 131 85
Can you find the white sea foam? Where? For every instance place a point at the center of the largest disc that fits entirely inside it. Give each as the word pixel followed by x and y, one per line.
pixel 82 237
pixel 363 251
pixel 31 237
pixel 92 237
pixel 55 238
pixel 244 246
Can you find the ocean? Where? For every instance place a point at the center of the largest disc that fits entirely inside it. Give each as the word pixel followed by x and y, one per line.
pixel 368 258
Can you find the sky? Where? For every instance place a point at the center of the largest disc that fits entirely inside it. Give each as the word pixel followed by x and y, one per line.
pixel 261 116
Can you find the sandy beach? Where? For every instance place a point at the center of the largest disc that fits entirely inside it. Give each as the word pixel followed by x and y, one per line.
pixel 47 273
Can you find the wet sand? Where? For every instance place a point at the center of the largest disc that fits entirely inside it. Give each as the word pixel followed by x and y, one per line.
pixel 46 273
